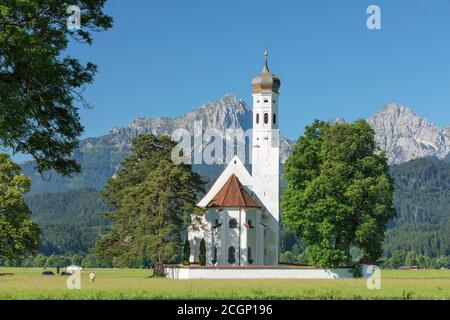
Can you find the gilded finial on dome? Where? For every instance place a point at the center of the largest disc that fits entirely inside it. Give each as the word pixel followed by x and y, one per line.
pixel 266 81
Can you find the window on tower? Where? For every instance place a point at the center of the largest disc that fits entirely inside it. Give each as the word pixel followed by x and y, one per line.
pixel 266 118
pixel 233 223
pixel 257 118
pixel 274 118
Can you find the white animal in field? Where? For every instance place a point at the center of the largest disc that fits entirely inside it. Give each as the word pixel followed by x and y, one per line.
pixel 92 276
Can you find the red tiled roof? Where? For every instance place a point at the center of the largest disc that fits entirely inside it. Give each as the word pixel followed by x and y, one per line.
pixel 233 194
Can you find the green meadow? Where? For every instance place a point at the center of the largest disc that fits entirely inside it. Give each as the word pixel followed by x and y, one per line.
pixel 137 284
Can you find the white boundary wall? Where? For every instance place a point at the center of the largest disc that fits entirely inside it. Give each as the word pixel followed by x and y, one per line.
pixel 261 273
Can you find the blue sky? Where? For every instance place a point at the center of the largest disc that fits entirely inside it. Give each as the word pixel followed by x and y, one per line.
pixel 167 57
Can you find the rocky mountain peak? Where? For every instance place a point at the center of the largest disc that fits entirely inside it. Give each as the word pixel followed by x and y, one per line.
pixel 398 109
pixel 404 135
pixel 228 112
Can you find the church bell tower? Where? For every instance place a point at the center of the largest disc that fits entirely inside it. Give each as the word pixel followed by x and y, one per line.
pixel 265 156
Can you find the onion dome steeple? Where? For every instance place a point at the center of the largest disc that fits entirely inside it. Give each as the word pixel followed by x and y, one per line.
pixel 266 82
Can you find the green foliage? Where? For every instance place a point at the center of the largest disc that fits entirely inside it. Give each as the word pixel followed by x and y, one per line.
pixel 396 260
pixel 54 261
pixel 202 253
pixel 70 221
pixel 186 253
pixel 37 261
pixel 339 193
pixel 356 270
pixel 39 86
pixel 76 260
pixel 90 261
pixel 287 257
pixel 413 259
pixel 154 200
pixel 19 235
pixel 288 239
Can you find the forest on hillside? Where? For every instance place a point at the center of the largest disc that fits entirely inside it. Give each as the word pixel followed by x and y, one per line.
pixel 422 201
pixel 70 221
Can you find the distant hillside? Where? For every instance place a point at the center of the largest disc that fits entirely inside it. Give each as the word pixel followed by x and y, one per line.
pixel 70 221
pixel 422 201
pixel 98 163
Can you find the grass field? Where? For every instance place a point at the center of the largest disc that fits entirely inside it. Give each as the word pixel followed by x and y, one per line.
pixel 136 284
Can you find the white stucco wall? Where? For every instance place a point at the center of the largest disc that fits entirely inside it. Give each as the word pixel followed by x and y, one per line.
pixel 262 273
pixel 265 168
pixel 224 237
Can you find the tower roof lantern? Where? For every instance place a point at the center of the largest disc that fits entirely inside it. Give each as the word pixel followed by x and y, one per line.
pixel 266 82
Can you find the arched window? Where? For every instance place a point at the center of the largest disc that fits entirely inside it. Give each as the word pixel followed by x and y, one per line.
pixel 257 118
pixel 274 118
pixel 231 255
pixel 214 259
pixel 233 223
pixel 250 259
pixel 266 118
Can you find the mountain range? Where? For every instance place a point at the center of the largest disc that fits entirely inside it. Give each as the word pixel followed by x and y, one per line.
pixel 401 133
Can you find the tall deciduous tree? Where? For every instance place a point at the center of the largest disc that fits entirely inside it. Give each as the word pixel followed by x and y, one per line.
pixel 154 199
pixel 339 193
pixel 40 85
pixel 19 236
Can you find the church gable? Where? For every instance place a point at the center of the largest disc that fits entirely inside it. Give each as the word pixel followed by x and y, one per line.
pixel 233 194
pixel 234 167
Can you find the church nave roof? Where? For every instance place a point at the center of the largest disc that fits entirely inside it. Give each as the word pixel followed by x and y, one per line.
pixel 233 194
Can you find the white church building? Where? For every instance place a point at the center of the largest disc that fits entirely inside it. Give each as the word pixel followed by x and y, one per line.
pixel 241 212
pixel 241 218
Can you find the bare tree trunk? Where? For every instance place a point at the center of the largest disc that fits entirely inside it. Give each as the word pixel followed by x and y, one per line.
pixel 158 270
